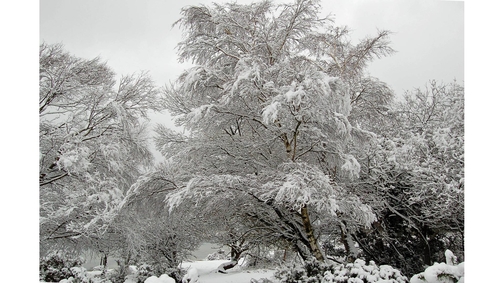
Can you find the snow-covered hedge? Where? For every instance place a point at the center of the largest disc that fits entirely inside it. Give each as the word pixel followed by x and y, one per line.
pixel 356 272
pixel 449 272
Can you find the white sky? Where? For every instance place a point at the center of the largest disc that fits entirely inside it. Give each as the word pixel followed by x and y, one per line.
pixel 134 35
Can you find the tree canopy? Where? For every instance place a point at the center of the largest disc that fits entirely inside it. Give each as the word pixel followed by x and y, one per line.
pixel 92 142
pixel 267 111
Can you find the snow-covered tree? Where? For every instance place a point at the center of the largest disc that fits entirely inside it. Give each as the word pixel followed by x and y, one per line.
pixel 92 141
pixel 413 177
pixel 154 234
pixel 266 112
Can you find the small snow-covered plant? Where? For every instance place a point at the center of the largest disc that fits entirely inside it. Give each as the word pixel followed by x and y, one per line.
pixel 191 276
pixel 356 272
pixel 56 267
pixel 144 271
pixel 449 272
pixel 163 278
pixel 310 272
pixel 80 275
pixel 122 274
pixel 176 273
pixel 218 255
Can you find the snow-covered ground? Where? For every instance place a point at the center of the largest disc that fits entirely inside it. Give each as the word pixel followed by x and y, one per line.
pixel 207 270
pixel 203 271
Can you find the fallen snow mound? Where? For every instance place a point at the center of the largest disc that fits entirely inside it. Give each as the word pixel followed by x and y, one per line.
pixel 442 272
pixel 162 279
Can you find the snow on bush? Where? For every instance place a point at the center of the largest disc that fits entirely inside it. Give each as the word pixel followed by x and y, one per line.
pixel 82 275
pixel 449 272
pixel 191 276
pixel 218 255
pixel 143 272
pixel 356 272
pixel 56 267
pixel 163 278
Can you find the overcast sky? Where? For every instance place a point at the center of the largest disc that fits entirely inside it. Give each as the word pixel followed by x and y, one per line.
pixel 134 35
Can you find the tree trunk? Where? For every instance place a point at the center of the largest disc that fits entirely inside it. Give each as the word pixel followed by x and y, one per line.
pixel 426 246
pixel 227 265
pixel 349 244
pixel 103 261
pixel 302 250
pixel 314 248
pixel 235 256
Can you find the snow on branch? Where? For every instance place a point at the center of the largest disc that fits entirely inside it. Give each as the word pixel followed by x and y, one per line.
pixel 270 112
pixel 201 188
pixel 351 166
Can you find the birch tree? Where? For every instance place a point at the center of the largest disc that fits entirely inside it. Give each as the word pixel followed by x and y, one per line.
pixel 266 112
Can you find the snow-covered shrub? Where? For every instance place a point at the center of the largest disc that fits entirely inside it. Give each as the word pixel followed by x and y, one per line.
pixel 312 271
pixel 146 271
pixel 191 276
pixel 176 273
pixel 82 275
pixel 163 278
pixel 449 272
pixel 122 274
pixel 357 272
pixel 360 272
pixel 125 274
pixel 55 267
pixel 218 255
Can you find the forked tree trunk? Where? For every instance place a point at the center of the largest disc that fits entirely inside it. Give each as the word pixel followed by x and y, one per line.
pixel 314 248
